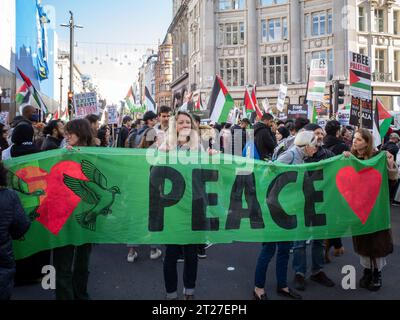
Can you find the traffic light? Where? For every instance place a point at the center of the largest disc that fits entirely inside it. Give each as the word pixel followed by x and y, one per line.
pixel 338 90
pixel 70 102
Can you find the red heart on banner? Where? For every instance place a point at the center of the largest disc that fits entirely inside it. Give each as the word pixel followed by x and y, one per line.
pixel 360 189
pixel 59 202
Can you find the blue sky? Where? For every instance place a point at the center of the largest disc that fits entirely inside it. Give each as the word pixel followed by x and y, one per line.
pixel 138 24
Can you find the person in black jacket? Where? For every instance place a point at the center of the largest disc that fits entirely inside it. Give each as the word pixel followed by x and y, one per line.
pixel 124 132
pixel 333 143
pixel 300 247
pixel 14 223
pixel 264 139
pixel 332 140
pixel 54 133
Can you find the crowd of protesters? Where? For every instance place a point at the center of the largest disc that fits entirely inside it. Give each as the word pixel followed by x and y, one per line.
pixel 267 139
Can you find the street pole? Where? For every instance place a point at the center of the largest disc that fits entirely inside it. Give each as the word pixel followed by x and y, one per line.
pixel 61 95
pixel 71 27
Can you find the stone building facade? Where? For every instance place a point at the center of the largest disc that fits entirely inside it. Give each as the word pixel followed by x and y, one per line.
pixel 269 42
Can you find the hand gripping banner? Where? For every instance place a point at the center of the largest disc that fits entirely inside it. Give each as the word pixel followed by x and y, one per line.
pixel 118 196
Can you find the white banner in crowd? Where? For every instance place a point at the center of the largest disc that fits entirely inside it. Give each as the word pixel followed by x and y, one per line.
pixel 112 114
pixel 4 117
pixel 281 98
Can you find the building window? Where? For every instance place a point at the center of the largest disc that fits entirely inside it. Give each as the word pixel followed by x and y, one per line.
pixel 275 70
pixel 318 21
pixel 265 3
pixel 232 71
pixel 397 66
pixel 275 30
pixel 329 21
pixel 232 34
pixel 361 19
pixel 380 60
pixel 379 20
pixel 231 5
pixel 396 26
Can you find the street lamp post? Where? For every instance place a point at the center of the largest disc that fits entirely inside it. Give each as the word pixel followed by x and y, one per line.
pixel 71 27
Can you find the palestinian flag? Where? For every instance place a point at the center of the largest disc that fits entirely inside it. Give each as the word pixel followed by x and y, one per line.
pixel 35 94
pixel 23 95
pixel 248 103
pixel 130 98
pixel 316 90
pixel 382 122
pixel 199 104
pixel 255 102
pixel 221 102
pixel 150 104
pixel 360 80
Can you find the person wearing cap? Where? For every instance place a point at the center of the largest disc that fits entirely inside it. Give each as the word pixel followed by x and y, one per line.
pixel 299 248
pixel 124 131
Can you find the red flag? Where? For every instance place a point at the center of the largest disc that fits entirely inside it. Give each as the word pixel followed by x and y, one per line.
pixel 255 102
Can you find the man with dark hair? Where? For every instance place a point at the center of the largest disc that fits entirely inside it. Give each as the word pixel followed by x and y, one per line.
pixel 54 134
pixel 124 131
pixel 299 247
pixel 163 116
pixel 197 119
pixel 150 121
pixel 264 139
pixel 94 121
pixel 333 143
pixel 332 140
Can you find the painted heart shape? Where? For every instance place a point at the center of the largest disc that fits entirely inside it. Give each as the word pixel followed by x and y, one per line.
pixel 59 202
pixel 360 189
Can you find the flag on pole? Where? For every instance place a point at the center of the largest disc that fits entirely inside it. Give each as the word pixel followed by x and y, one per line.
pixel 35 94
pixel 255 102
pixel 248 105
pixel 382 122
pixel 23 95
pixel 150 104
pixel 199 105
pixel 130 98
pixel 221 102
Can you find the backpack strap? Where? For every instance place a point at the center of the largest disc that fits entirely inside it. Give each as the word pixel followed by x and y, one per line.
pixel 292 152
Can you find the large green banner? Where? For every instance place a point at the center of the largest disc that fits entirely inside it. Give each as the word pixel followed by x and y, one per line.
pixel 116 196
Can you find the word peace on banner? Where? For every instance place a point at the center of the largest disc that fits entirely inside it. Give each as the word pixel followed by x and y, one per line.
pixel 95 195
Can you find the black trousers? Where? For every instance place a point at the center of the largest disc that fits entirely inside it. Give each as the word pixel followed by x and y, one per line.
pixel 170 267
pixel 72 272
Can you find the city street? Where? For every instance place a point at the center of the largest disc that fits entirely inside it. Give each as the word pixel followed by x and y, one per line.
pixel 112 278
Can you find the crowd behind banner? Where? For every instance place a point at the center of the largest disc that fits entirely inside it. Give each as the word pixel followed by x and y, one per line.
pixel 265 138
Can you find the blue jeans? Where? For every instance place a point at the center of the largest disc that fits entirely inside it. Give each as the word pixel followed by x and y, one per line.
pixel 6 283
pixel 300 257
pixel 282 260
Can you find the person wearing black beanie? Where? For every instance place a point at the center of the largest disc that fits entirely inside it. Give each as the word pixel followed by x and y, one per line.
pixel 22 139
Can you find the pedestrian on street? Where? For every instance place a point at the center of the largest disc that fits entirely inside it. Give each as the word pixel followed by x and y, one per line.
pixel 72 262
pixel 305 145
pixel 264 139
pixel 334 143
pixel 372 248
pixel 13 225
pixel 300 247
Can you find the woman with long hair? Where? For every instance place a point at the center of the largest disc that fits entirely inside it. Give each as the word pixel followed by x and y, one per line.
pixel 182 136
pixel 72 263
pixel 3 138
pixel 104 135
pixel 372 248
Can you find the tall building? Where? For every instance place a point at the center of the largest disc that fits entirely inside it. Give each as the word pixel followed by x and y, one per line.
pixel 164 73
pixel 270 42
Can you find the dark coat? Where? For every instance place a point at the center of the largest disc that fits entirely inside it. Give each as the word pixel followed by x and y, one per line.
pixel 375 245
pixel 335 145
pixel 13 225
pixel 320 155
pixel 51 143
pixel 265 140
